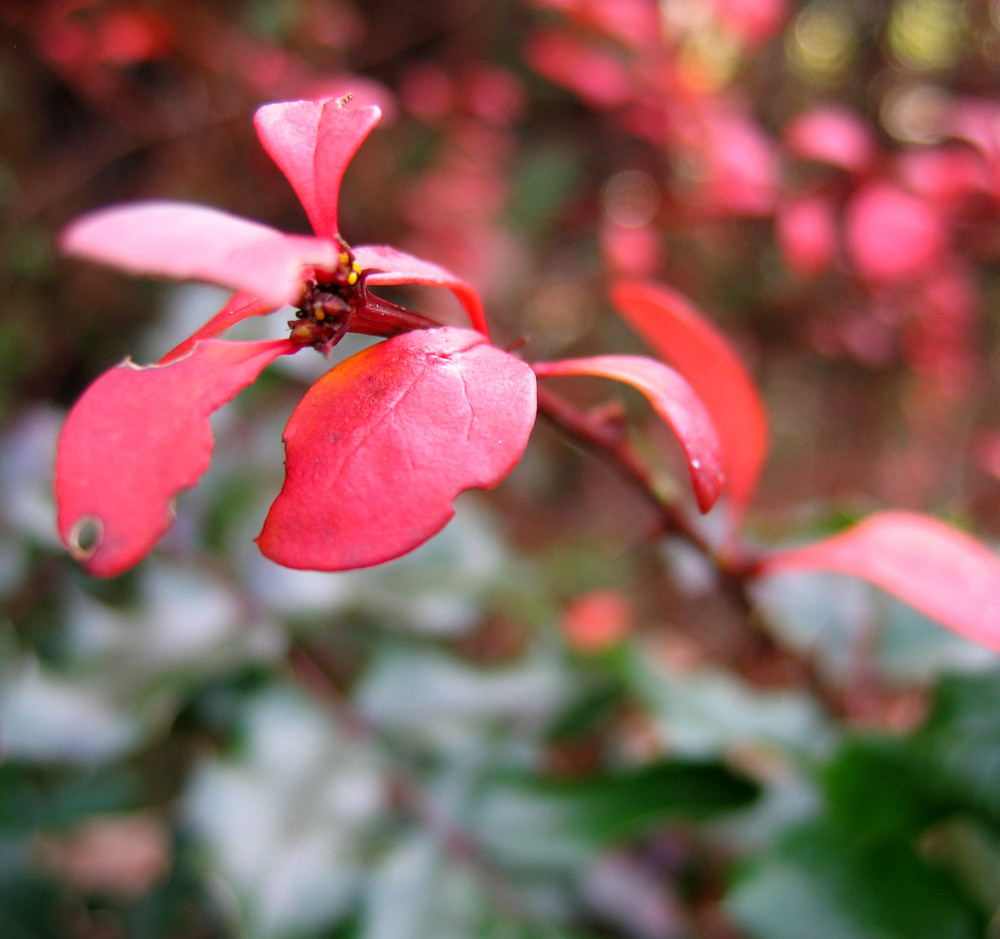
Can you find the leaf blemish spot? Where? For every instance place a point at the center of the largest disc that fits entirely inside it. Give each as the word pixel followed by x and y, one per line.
pixel 85 537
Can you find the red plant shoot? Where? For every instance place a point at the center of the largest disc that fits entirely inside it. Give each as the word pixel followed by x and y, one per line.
pixel 379 448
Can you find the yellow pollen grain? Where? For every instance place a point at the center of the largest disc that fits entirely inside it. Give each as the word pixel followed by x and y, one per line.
pixel 352 278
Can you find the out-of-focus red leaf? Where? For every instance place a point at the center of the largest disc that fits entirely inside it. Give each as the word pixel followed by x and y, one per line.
pixel 136 438
pixel 312 142
pixel 740 165
pixel 753 21
pixel 806 227
pixel 385 265
pixel 682 336
pixel 194 242
pixel 891 234
pixel 674 400
pixel 832 135
pixel 977 121
pixel 938 570
pixel 597 620
pixel 946 177
pixel 596 74
pixel 630 250
pixel 634 23
pixel 379 448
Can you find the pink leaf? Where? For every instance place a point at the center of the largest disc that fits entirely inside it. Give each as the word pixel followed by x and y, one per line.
pixel 240 306
pixel 806 228
pixel 385 265
pixel 312 142
pixel 740 165
pixel 680 334
pixel 135 439
pixel 891 234
pixel 753 21
pixel 832 135
pixel 674 400
pixel 938 570
pixel 379 447
pixel 596 74
pixel 193 242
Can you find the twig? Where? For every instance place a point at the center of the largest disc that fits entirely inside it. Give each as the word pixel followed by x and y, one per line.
pixel 311 672
pixel 734 574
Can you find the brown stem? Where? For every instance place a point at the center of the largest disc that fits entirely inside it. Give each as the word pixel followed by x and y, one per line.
pixel 734 573
pixel 612 446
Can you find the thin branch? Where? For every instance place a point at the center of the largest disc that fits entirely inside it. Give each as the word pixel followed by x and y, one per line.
pixel 610 443
pixel 309 669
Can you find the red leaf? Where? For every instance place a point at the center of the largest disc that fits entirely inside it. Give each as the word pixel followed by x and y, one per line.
pixel 381 445
pixel 240 306
pixel 681 335
pixel 312 142
pixel 674 400
pixel 941 572
pixel 891 234
pixel 385 265
pixel 135 439
pixel 598 75
pixel 832 135
pixel 806 229
pixel 194 242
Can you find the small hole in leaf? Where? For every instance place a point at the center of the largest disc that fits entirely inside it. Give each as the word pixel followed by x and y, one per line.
pixel 85 537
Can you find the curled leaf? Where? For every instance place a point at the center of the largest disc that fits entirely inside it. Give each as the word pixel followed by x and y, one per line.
pixel 380 446
pixel 240 306
pixel 674 400
pixel 682 336
pixel 936 569
pixel 136 438
pixel 385 265
pixel 312 142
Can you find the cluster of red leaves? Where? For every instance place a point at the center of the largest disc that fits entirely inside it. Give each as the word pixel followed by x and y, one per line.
pixel 940 571
pixel 905 224
pixel 896 227
pixel 381 445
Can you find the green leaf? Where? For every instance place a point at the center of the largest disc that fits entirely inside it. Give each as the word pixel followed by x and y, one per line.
pixel 707 711
pixel 876 790
pixel 419 892
pixel 822 883
pixel 959 744
pixel 539 822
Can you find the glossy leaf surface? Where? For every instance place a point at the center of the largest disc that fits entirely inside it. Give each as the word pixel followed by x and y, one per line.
pixel 681 335
pixel 136 438
pixel 938 570
pixel 380 447
pixel 312 142
pixel 674 400
pixel 184 241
